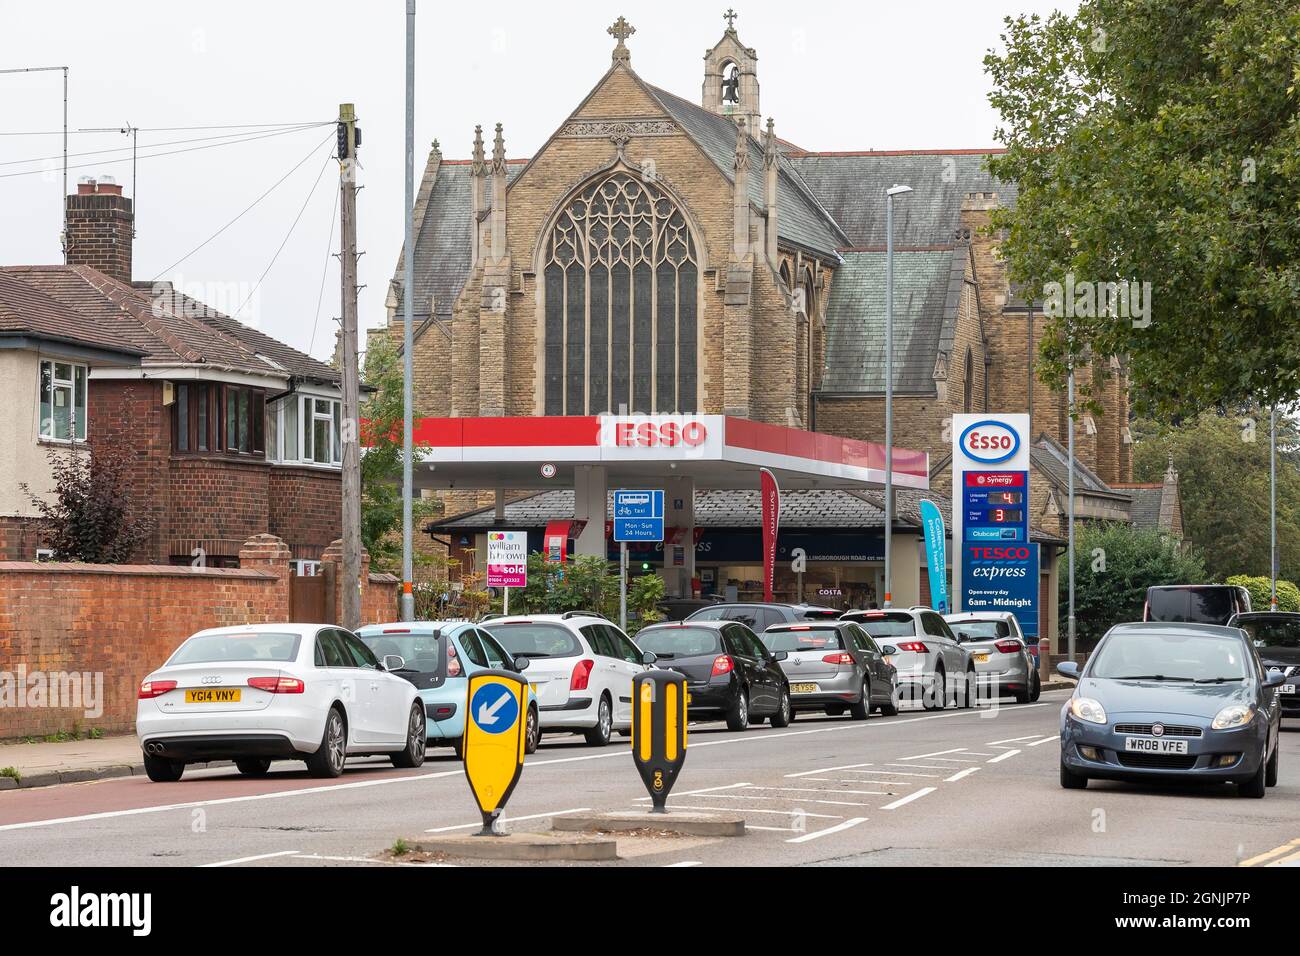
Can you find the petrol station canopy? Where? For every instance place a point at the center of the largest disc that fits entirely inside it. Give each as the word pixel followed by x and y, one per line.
pixel 714 451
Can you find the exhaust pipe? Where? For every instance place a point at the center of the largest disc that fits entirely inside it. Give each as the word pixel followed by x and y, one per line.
pixel 153 748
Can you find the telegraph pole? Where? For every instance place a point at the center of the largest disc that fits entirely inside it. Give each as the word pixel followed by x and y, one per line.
pixel 349 138
pixel 407 597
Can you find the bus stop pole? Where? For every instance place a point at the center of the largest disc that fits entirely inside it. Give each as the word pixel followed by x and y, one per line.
pixel 622 586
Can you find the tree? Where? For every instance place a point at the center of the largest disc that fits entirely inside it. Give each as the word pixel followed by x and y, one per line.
pixel 381 465
pixel 1157 141
pixel 1223 479
pixel 92 513
pixel 1261 587
pixel 1113 567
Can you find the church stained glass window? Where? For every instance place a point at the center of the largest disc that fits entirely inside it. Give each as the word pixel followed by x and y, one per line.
pixel 620 286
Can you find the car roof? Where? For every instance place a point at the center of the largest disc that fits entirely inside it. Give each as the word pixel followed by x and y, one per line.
pixel 1177 627
pixel 715 625
pixel 1255 615
pixel 302 629
pixel 412 627
pixel 548 618
pixel 805 625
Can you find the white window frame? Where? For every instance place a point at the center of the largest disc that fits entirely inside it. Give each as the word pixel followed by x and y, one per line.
pixel 77 417
pixel 307 416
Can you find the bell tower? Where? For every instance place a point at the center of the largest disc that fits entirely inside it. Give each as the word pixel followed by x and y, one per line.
pixel 731 78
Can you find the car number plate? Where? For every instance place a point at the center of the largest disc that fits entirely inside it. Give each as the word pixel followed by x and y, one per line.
pixel 803 688
pixel 213 695
pixel 1155 745
pixel 1288 688
pixel 981 658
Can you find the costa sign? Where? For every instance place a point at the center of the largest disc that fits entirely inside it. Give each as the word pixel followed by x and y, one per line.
pixel 668 433
pixel 989 442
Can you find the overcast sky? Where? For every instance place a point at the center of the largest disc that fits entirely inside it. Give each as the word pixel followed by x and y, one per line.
pixel 853 75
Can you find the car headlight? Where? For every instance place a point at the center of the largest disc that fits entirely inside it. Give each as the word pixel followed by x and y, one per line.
pixel 1234 715
pixel 1085 708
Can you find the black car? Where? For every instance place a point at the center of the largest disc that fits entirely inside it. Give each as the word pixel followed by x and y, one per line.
pixel 1195 603
pixel 1276 636
pixel 728 671
pixel 759 616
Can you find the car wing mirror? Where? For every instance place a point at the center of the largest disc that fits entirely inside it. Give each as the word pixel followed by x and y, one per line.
pixel 1275 678
pixel 649 658
pixel 393 662
pixel 521 663
pixel 1068 669
pixel 781 656
pixel 889 650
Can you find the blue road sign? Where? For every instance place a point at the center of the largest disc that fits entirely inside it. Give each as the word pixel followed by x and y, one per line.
pixel 494 709
pixel 639 515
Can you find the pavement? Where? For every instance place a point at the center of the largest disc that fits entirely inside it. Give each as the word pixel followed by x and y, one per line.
pixel 957 787
pixel 44 764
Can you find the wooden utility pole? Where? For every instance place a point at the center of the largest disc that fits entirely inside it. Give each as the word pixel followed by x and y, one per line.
pixel 348 140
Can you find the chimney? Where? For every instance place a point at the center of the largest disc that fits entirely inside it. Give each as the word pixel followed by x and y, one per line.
pixel 100 223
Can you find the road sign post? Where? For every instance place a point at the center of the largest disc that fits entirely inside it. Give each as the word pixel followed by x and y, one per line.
pixel 494 741
pixel 638 516
pixel 659 731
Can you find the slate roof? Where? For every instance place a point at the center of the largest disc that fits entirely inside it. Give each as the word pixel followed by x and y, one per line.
pixel 26 310
pixel 1051 458
pixel 163 333
pixel 1145 510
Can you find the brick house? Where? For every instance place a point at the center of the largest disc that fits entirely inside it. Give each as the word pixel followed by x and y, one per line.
pixel 235 432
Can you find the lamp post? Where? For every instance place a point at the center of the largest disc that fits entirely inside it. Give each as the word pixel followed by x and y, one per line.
pixel 890 193
pixel 1272 508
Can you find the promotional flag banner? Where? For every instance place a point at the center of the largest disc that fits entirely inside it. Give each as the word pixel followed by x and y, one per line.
pixel 936 559
pixel 771 495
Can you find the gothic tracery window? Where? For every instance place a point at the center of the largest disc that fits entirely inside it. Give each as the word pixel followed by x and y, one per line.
pixel 620 288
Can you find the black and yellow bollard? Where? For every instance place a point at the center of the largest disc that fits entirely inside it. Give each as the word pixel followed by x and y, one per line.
pixel 659 731
pixel 495 723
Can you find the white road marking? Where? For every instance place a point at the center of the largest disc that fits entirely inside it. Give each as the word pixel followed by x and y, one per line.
pixel 751 826
pixel 1046 740
pixel 874 793
pixel 900 773
pixel 909 798
pixel 684 863
pixel 847 766
pixel 688 793
pixel 1000 757
pixel 741 796
pixel 531 816
pixel 365 859
pixel 920 766
pixel 785 813
pixel 250 859
pixel 818 834
pixel 1013 740
pixel 937 753
pixel 959 774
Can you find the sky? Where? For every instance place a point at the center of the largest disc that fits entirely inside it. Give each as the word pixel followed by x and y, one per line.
pixel 221 86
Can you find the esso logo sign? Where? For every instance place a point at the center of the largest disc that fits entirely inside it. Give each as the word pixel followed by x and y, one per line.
pixel 999 554
pixel 665 434
pixel 989 442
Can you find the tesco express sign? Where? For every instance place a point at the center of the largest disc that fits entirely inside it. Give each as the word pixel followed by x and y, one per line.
pixel 989 442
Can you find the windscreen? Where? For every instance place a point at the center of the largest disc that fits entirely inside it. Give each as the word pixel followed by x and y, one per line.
pixel 420 651
pixel 1275 632
pixel 670 642
pixel 535 639
pixel 886 625
pixel 1170 657
pixel 812 639
pixel 222 648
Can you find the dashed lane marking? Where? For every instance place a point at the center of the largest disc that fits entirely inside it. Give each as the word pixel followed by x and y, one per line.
pixel 909 798
pixel 959 774
pixel 847 766
pixel 1046 740
pixel 784 813
pixel 1003 756
pixel 919 766
pixel 900 773
pixel 251 859
pixel 937 753
pixel 818 834
pixel 1013 740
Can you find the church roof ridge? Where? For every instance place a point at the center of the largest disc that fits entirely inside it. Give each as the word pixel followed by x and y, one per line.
pixel 960 151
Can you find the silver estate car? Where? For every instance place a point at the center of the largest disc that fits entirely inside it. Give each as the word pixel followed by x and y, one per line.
pixel 1003 664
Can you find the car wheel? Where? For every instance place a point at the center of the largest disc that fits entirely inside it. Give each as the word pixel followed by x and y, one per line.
pixel 783 714
pixel 329 758
pixel 599 735
pixel 738 716
pixel 163 769
pixel 458 747
pixel 966 691
pixel 935 696
pixel 253 766
pixel 412 755
pixel 1035 687
pixel 1021 696
pixel 532 732
pixel 1270 770
pixel 862 709
pixel 1256 785
pixel 1071 780
pixel 890 709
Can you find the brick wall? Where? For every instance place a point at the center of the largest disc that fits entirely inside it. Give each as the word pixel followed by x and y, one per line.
pixel 304 507
pixel 100 221
pixel 214 503
pixel 132 414
pixel 19 538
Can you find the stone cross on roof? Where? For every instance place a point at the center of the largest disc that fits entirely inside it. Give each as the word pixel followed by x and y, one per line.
pixel 730 17
pixel 620 31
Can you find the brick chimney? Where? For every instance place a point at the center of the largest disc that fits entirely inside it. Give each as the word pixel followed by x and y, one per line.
pixel 101 222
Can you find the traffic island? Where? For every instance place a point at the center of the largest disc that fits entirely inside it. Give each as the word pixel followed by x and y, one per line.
pixel 530 847
pixel 675 822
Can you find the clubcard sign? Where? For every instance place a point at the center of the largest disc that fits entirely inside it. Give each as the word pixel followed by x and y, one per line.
pixel 507 559
pixel 998 569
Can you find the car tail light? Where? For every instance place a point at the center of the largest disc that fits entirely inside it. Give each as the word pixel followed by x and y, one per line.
pixel 915 646
pixel 581 674
pixel 453 662
pixel 397 630
pixel 278 685
pixel 841 658
pixel 1008 647
pixel 722 664
pixel 155 688
pixel 800 627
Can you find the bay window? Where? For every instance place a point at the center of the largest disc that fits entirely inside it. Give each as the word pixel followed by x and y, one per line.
pixel 211 417
pixel 62 401
pixel 307 429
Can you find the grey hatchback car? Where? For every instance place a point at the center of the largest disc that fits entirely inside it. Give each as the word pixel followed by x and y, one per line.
pixel 1172 701
pixel 834 666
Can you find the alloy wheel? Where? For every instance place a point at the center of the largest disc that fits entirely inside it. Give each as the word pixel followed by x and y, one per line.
pixel 335 742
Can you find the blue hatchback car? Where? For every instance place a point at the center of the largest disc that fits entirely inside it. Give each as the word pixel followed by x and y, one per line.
pixel 439 656
pixel 1172 701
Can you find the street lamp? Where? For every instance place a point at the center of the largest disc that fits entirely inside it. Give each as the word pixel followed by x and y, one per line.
pixel 890 193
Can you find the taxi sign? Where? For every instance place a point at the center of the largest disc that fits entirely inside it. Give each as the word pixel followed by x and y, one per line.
pixel 659 731
pixel 494 740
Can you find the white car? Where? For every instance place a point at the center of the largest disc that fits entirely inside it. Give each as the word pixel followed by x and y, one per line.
pixel 265 692
pixel 581 669
pixel 931 664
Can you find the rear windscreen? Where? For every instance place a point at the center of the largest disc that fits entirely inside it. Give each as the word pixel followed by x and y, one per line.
pixel 680 641
pixel 1193 605
pixel 813 639
pixel 890 625
pixel 221 648
pixel 534 640
pixel 420 651
pixel 980 630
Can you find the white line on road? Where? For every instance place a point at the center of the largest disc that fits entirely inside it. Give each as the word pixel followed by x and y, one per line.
pixel 251 859
pixel 741 796
pixel 1046 740
pixel 919 766
pixel 818 834
pixel 531 816
pixel 959 774
pixel 364 859
pixel 847 766
pixel 937 753
pixel 688 793
pixel 784 813
pixel 879 783
pixel 1013 740
pixel 909 798
pixel 874 793
pixel 900 773
pixel 1001 757
pixel 684 863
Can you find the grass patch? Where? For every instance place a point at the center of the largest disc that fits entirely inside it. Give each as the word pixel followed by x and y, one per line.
pixel 400 848
pixel 10 772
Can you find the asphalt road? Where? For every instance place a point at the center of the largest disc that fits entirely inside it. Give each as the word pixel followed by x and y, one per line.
pixel 959 787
